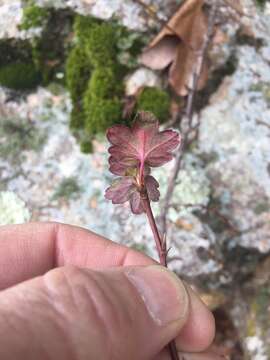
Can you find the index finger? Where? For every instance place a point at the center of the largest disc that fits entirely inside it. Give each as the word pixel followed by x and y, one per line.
pixel 32 249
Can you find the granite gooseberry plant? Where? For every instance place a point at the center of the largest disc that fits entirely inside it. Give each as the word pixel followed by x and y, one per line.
pixel 133 152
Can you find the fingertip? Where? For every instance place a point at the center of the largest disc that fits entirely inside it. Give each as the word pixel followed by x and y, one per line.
pixel 199 331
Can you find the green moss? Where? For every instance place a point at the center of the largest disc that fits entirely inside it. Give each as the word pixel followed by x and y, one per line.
pixel 34 16
pixel 101 44
pixel 67 189
pixel 78 71
pixel 77 118
pixel 17 69
pixel 82 27
pixel 19 76
pixel 86 146
pixel 101 113
pixel 105 83
pixel 156 101
pixel 94 76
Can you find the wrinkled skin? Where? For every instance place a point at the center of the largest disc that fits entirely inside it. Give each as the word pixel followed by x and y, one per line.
pixel 51 278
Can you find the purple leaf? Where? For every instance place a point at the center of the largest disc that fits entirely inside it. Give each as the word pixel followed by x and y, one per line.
pixel 125 189
pixel 133 152
pixel 142 144
pixel 136 203
pixel 152 186
pixel 121 190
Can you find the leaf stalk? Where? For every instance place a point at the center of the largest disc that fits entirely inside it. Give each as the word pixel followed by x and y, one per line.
pixel 162 253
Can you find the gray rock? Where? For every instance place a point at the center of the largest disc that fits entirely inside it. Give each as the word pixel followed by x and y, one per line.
pixel 235 132
pixel 128 12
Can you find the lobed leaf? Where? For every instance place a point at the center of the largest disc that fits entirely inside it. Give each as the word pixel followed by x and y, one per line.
pixel 132 152
pixel 141 145
pixel 125 189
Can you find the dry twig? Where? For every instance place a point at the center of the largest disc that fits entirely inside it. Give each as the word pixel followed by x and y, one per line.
pixel 189 115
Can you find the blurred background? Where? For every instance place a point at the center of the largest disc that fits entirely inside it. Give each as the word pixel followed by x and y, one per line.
pixel 70 69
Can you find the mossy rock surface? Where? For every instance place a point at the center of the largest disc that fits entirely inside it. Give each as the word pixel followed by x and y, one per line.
pixel 19 76
pixel 13 50
pixel 50 51
pixel 94 78
pixel 101 44
pixel 86 147
pixel 82 27
pixel 50 47
pixel 77 118
pixel 17 69
pixel 156 101
pixel 78 71
pixel 105 83
pixel 101 113
pixel 34 16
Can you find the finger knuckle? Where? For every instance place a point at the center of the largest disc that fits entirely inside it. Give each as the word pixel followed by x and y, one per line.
pixel 87 298
pixel 81 293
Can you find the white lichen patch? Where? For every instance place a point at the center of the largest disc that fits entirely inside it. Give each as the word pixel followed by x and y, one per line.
pixel 235 133
pixel 255 347
pixel 192 190
pixel 11 15
pixel 12 209
pixel 190 244
pixel 128 12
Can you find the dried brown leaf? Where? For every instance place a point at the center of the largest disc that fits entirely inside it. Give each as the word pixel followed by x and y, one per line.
pixel 182 70
pixel 181 22
pixel 162 54
pixel 179 44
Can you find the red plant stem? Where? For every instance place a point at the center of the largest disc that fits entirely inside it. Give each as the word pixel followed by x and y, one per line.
pixel 161 245
pixel 162 253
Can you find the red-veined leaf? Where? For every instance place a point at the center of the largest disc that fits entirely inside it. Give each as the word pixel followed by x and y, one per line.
pixel 124 189
pixel 121 189
pixel 142 144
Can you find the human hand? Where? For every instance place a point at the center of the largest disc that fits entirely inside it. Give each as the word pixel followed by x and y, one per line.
pixel 69 294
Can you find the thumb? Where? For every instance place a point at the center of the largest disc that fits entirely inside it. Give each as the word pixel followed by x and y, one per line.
pixel 72 313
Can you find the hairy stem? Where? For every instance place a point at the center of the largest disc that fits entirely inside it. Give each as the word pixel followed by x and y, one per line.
pixel 162 253
pixel 160 245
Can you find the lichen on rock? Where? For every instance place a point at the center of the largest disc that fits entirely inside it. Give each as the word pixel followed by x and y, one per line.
pixel 236 129
pixel 12 209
